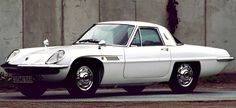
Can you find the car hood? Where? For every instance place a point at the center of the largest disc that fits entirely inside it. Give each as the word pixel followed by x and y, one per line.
pixel 40 55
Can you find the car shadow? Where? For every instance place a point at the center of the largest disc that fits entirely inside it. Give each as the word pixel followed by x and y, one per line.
pixel 62 95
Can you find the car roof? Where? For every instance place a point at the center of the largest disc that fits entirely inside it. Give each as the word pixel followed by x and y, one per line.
pixel 135 23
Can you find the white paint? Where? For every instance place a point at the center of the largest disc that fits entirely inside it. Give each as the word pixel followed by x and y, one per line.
pixel 135 64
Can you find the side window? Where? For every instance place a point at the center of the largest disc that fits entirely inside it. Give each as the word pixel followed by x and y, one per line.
pixel 150 37
pixel 136 40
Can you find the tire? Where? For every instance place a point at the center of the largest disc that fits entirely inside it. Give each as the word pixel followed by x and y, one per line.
pixel 184 78
pixel 83 81
pixel 134 89
pixel 31 90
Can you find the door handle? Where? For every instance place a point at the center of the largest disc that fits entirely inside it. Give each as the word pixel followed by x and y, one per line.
pixel 165 49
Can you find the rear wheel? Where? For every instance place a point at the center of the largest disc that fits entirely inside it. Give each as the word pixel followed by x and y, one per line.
pixel 134 89
pixel 31 90
pixel 184 78
pixel 83 82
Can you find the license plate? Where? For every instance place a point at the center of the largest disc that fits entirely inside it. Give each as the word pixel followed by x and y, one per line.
pixel 22 79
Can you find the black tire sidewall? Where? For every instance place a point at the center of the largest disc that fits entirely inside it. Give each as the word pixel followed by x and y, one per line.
pixel 176 87
pixel 74 90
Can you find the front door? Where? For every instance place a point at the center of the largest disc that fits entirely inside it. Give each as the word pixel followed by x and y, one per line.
pixel 147 56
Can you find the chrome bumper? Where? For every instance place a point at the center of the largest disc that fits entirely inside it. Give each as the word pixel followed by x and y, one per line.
pixel 225 59
pixel 45 66
pixel 32 69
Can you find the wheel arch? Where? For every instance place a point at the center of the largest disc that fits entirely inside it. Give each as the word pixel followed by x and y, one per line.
pixel 96 64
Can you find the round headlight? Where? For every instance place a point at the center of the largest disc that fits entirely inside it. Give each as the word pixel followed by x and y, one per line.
pixel 56 57
pixel 13 54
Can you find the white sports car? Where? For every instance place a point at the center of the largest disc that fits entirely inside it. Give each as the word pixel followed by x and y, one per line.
pixel 126 54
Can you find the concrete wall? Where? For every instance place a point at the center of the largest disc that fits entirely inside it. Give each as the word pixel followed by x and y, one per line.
pixel 117 10
pixel 153 11
pixel 79 15
pixel 141 10
pixel 191 28
pixel 10 27
pixel 63 21
pixel 42 19
pixel 221 26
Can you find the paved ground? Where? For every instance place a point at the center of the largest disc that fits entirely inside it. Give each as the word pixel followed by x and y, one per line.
pixel 216 92
pixel 119 95
pixel 118 98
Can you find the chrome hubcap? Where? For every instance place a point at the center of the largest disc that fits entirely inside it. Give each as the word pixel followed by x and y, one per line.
pixel 185 75
pixel 84 78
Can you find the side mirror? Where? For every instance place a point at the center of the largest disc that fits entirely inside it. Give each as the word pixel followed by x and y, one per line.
pixel 45 42
pixel 101 43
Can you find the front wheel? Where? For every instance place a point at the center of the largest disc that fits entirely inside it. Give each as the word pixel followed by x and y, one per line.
pixel 83 82
pixel 184 78
pixel 31 90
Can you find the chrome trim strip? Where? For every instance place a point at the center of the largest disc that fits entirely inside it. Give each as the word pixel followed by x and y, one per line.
pixel 43 65
pixel 112 58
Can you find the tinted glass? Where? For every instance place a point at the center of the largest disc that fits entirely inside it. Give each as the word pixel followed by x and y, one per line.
pixel 150 37
pixel 136 40
pixel 111 34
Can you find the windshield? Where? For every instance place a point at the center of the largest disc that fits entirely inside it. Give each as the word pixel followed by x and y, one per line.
pixel 111 34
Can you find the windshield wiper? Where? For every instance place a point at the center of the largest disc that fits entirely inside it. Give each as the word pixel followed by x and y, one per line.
pixel 89 40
